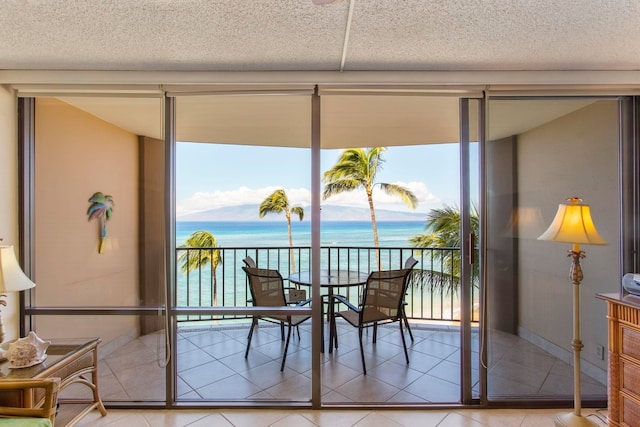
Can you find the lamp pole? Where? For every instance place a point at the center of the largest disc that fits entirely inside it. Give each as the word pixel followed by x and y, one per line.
pixel 575 418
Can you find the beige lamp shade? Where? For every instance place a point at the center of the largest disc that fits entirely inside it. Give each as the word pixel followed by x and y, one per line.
pixel 12 278
pixel 573 224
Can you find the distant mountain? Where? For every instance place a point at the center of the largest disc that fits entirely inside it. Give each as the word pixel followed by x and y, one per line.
pixel 329 213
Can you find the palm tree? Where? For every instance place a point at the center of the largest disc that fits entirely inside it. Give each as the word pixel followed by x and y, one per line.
pixel 443 227
pixel 198 258
pixel 357 168
pixel 102 209
pixel 278 202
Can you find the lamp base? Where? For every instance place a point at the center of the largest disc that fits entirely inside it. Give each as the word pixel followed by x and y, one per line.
pixel 572 420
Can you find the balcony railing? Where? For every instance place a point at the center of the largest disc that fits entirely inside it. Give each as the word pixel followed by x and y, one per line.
pixel 432 295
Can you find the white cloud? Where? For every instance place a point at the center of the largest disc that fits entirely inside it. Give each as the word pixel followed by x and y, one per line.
pixel 203 201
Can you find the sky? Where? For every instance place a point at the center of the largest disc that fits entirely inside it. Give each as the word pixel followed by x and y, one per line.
pixel 211 176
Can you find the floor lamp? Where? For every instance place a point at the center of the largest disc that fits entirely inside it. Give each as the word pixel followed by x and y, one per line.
pixel 573 224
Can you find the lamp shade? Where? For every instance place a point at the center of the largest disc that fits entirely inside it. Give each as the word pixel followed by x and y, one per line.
pixel 12 278
pixel 573 224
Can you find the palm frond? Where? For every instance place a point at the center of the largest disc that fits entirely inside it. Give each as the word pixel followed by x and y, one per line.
pixel 299 211
pixel 197 258
pixel 407 196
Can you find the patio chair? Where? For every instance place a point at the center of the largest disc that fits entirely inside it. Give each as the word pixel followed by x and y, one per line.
pixel 408 265
pixel 381 303
pixel 298 295
pixel 43 391
pixel 267 290
pixel 292 297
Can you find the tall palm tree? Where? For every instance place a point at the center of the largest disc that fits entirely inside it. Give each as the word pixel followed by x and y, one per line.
pixel 195 259
pixel 278 202
pixel 357 168
pixel 101 208
pixel 443 227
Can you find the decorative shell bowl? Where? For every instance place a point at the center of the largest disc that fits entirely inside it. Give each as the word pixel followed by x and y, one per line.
pixel 631 283
pixel 27 351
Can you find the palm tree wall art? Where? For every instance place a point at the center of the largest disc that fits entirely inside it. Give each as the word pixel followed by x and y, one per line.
pixel 101 208
pixel 278 202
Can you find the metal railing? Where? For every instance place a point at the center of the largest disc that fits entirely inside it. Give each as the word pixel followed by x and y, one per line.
pixel 433 294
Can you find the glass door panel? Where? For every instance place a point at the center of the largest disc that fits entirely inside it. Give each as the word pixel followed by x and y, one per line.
pixel 421 140
pixel 538 153
pixel 242 191
pixel 98 249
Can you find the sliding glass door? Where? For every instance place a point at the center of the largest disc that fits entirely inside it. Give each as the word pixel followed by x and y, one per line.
pixel 539 152
pixel 487 305
pixel 242 198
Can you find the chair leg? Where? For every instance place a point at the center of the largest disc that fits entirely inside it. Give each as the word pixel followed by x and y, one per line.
pixel 406 322
pixel 375 332
pixel 254 322
pixel 333 330
pixel 286 347
pixel 364 366
pixel 404 342
pixel 253 325
pixel 282 331
pixel 321 326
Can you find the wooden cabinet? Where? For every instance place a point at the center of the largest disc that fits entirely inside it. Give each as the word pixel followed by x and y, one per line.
pixel 624 359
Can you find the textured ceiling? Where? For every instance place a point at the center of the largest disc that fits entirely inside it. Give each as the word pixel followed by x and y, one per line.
pixel 257 35
pixel 298 35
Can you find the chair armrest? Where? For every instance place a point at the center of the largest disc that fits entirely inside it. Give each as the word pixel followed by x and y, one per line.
pixel 346 302
pixel 305 302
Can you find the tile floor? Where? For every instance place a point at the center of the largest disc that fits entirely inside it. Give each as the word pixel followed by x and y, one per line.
pixel 211 367
pixel 333 418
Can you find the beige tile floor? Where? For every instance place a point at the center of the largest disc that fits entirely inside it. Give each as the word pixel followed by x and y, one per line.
pixel 211 367
pixel 333 418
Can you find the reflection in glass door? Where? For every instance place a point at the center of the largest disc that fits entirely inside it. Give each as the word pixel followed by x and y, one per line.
pixel 532 148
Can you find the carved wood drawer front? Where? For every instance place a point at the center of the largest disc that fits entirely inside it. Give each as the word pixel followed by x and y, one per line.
pixel 630 378
pixel 630 342
pixel 630 411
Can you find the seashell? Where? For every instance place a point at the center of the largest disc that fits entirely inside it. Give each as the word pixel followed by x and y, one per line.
pixel 27 351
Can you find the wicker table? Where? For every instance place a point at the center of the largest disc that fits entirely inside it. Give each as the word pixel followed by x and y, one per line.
pixel 74 361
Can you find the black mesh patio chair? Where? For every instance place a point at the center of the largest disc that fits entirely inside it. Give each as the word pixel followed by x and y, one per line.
pixel 267 290
pixel 381 303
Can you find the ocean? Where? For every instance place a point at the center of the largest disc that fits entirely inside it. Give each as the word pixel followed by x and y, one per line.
pixel 233 238
pixel 274 233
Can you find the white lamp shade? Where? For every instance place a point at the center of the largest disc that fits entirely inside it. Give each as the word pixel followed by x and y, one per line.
pixel 12 278
pixel 573 224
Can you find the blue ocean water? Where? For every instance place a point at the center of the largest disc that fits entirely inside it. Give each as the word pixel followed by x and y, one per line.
pixel 196 289
pixel 274 233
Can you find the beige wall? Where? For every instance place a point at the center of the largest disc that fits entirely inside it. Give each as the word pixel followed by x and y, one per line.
pixel 9 197
pixel 77 155
pixel 575 155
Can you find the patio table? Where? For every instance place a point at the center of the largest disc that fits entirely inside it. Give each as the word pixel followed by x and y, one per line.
pixel 330 279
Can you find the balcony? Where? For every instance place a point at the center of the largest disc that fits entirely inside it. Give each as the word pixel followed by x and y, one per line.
pixel 211 366
pixel 432 296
